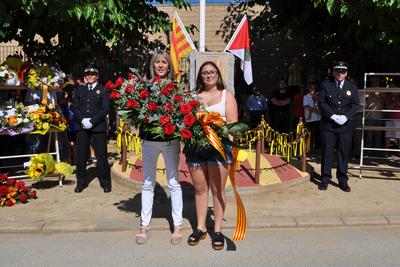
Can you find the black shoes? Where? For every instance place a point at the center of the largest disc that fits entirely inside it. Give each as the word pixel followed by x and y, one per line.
pixel 79 189
pixel 107 189
pixel 218 241
pixel 345 187
pixel 196 236
pixel 323 186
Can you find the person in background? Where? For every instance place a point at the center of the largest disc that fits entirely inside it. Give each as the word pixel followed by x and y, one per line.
pixel 298 109
pixel 152 146
pixel 338 102
pixel 280 108
pixel 68 113
pixel 210 170
pixel 257 105
pixel 90 107
pixel 312 114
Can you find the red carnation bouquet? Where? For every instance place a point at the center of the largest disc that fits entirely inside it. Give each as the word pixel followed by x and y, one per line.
pixel 13 192
pixel 161 108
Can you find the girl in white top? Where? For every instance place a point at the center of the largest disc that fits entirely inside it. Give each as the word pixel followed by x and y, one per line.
pixel 211 171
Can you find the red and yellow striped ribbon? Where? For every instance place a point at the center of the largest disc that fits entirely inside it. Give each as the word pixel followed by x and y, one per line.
pixel 241 221
pixel 206 119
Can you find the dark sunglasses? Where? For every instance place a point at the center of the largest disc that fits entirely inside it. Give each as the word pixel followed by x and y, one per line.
pixel 341 71
pixel 91 73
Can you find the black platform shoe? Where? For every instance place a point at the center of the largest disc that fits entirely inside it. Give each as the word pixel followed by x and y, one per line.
pixel 218 241
pixel 196 236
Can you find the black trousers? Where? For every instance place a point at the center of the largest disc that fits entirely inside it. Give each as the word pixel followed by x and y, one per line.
pixel 280 121
pixel 255 118
pixel 99 142
pixel 342 142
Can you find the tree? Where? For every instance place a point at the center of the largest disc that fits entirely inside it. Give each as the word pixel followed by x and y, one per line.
pixel 76 29
pixel 365 32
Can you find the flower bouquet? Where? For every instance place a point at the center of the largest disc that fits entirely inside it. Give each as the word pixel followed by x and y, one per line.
pixel 13 192
pixel 162 109
pixel 45 76
pixel 14 120
pixel 43 164
pixel 168 111
pixel 45 118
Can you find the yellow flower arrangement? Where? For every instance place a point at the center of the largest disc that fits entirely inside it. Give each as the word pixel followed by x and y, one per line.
pixel 45 75
pixel 46 118
pixel 43 164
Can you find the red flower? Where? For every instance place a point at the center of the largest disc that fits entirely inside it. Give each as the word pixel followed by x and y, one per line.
pixel 152 106
pixel 10 182
pixel 185 108
pixel 170 86
pixel 64 120
pixel 165 119
pixel 168 107
pixel 9 203
pixel 19 184
pixel 157 79
pixel 3 177
pixel 3 190
pixel 118 82
pixel 186 133
pixel 131 76
pixel 143 94
pixel 178 99
pixel 169 128
pixel 33 194
pixel 23 198
pixel 24 189
pixel 189 119
pixel 165 91
pixel 129 88
pixel 110 85
pixel 115 95
pixel 194 103
pixel 132 104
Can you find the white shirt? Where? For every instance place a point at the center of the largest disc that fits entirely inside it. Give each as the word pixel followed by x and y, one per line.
pixel 308 101
pixel 220 107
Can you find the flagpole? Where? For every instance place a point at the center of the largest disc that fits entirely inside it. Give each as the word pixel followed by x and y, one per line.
pixel 236 32
pixel 202 40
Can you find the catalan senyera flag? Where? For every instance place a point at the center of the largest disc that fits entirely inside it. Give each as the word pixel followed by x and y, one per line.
pixel 181 44
pixel 239 45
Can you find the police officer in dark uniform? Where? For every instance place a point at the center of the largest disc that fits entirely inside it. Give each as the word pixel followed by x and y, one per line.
pixel 338 102
pixel 91 105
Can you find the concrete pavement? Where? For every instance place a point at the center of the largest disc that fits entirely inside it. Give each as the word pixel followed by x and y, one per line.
pixel 373 201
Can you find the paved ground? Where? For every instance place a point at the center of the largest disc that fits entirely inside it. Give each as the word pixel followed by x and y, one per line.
pixel 300 247
pixel 373 200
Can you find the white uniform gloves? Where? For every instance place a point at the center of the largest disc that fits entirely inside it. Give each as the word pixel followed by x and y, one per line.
pixel 339 119
pixel 86 124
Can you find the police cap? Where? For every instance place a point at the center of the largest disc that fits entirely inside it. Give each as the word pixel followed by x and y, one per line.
pixel 91 68
pixel 340 65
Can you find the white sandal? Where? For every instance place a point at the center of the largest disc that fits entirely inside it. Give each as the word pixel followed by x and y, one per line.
pixel 142 235
pixel 177 236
